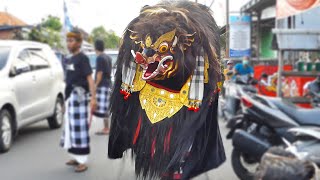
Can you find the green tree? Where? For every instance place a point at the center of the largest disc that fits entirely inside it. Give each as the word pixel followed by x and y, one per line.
pixel 48 31
pixel 46 35
pixel 110 39
pixel 52 22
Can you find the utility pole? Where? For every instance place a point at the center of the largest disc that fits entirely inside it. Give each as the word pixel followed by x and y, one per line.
pixel 211 4
pixel 227 29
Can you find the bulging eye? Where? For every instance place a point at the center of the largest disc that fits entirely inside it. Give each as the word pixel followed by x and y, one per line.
pixel 164 47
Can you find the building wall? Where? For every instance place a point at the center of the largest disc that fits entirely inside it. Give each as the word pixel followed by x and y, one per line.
pixel 266 44
pixel 308 19
pixel 305 20
pixel 6 35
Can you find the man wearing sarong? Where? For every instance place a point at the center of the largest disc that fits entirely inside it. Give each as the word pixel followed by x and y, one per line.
pixel 103 84
pixel 79 85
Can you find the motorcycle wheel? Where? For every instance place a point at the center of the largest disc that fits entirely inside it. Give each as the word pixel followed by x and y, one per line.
pixel 240 167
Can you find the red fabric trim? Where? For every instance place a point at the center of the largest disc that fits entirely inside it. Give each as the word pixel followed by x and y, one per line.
pixel 177 176
pixel 173 176
pixel 194 109
pixel 165 175
pixel 161 87
pixel 125 94
pixel 153 148
pixel 136 135
pixel 152 131
pixel 166 146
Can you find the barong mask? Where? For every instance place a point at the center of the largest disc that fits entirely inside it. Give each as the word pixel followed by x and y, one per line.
pixel 157 57
pixel 168 61
pixel 163 104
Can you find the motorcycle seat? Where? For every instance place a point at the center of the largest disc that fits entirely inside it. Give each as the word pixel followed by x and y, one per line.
pixel 301 116
pixel 249 88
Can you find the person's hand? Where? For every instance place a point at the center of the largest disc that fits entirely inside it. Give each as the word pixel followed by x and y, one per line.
pixel 93 104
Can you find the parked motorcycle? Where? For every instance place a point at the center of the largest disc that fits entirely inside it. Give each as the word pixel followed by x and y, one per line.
pixel 299 160
pixel 315 98
pixel 232 98
pixel 307 144
pixel 265 123
pixel 313 91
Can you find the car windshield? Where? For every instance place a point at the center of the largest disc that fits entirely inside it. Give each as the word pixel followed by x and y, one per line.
pixel 4 54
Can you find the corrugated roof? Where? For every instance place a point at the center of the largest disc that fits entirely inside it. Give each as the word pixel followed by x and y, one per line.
pixel 7 19
pixel 257 5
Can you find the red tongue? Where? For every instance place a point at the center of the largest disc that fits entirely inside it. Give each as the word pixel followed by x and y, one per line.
pixel 151 68
pixel 147 74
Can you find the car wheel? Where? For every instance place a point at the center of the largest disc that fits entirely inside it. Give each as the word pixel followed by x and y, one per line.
pixel 56 120
pixel 6 132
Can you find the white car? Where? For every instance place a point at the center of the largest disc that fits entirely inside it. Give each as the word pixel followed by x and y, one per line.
pixel 31 88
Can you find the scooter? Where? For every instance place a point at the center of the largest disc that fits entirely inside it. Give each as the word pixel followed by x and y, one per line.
pixel 265 123
pixel 315 99
pixel 313 91
pixel 232 99
pixel 297 160
pixel 307 144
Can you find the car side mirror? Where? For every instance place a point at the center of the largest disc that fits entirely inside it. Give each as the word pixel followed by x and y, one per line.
pixel 13 72
pixel 19 69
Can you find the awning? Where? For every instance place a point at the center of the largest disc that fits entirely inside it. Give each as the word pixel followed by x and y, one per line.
pixel 257 5
pixel 6 28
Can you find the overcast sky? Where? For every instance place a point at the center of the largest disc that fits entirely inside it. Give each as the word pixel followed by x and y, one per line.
pixel 87 14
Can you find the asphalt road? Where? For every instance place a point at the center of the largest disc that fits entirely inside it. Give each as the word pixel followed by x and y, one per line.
pixel 36 155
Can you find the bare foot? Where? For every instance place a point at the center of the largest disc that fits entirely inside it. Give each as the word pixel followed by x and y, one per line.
pixel 72 162
pixel 81 168
pixel 105 131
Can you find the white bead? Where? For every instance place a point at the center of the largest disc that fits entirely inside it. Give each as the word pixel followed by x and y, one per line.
pixel 162 92
pixel 171 96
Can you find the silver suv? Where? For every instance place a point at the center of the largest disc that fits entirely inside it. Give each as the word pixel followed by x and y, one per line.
pixel 31 88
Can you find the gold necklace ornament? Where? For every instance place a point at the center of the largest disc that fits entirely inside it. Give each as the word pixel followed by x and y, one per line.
pixel 160 103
